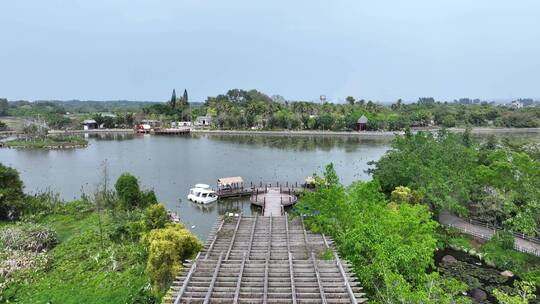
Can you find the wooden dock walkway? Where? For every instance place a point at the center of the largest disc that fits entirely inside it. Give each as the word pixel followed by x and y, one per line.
pixel 254 259
pixel 273 200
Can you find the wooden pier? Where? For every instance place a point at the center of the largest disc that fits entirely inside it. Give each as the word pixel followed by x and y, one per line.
pixel 273 200
pixel 254 259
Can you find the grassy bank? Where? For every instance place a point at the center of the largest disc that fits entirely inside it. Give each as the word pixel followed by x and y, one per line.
pixel 53 142
pixel 81 269
pixel 112 247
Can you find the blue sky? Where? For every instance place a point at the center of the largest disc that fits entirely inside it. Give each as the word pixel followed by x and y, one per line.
pixel 382 50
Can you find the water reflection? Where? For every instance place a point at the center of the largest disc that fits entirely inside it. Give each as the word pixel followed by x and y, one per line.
pixel 301 143
pixel 112 136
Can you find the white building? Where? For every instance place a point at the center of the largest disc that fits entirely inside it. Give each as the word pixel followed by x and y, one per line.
pixel 517 104
pixel 203 121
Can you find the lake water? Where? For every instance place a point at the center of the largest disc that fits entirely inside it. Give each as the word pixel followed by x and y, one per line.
pixel 171 165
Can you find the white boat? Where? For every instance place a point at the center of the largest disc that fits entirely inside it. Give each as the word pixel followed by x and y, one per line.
pixel 202 194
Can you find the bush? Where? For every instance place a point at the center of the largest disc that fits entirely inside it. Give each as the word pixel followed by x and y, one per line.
pixel 126 226
pixel 503 240
pixel 167 248
pixel 31 238
pixel 148 198
pixel 155 217
pixel 127 188
pixel 11 193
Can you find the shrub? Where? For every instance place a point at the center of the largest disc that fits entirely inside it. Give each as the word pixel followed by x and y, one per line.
pixel 503 240
pixel 32 238
pixel 155 216
pixel 167 248
pixel 11 193
pixel 148 198
pixel 405 195
pixel 127 188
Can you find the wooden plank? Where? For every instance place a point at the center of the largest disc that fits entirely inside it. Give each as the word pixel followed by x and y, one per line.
pixel 273 264
pixel 287 231
pixel 268 256
pixel 252 235
pixel 186 280
pixel 234 236
pixel 239 282
pixel 305 234
pixel 291 272
pixel 318 275
pixel 345 279
pixel 214 240
pixel 265 286
pixel 213 282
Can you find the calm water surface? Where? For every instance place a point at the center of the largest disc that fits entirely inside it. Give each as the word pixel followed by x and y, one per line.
pixel 171 165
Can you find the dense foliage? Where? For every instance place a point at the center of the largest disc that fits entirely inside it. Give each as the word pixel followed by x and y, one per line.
pixel 11 193
pixel 251 109
pixel 492 182
pixel 390 244
pixel 240 109
pixel 105 248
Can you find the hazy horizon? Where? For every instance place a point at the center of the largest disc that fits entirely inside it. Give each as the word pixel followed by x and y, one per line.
pixel 139 50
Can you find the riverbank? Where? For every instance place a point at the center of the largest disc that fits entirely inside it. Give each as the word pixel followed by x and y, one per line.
pixel 91 131
pixel 367 134
pixel 363 133
pixel 69 142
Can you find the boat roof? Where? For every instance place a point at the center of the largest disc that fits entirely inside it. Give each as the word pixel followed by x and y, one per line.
pixel 202 186
pixel 230 180
pixel 205 190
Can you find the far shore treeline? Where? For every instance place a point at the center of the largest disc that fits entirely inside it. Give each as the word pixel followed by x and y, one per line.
pixel 253 110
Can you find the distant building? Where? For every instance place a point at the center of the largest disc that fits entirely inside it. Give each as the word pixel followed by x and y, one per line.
pixel 517 104
pixel 89 124
pixel 361 124
pixel 181 124
pixel 203 121
pixel 151 123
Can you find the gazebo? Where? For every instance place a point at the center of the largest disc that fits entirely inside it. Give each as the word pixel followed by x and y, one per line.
pixel 234 182
pixel 361 124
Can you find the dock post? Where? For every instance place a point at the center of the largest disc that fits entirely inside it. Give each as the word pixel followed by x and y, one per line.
pixel 279 189
pixel 286 184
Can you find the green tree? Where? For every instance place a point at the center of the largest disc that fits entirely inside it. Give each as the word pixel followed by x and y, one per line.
pixel 392 268
pixel 11 193
pixel 168 247
pixel 127 188
pixel 422 162
pixel 172 102
pixel 98 118
pixel 4 106
pixel 185 100
pixel 155 216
